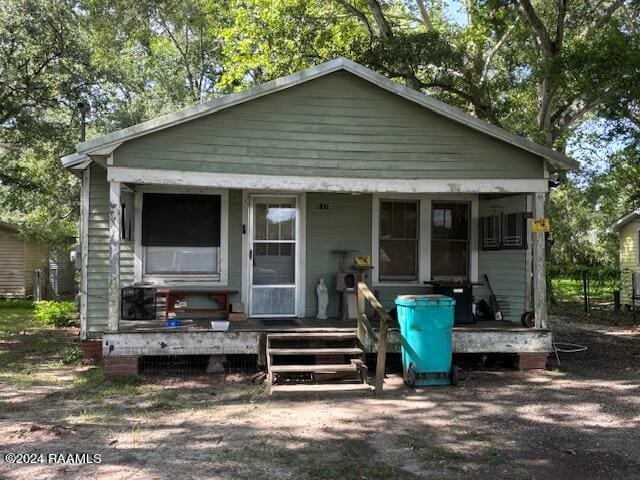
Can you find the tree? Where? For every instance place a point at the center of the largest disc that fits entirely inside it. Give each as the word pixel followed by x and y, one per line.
pixel 551 62
pixel 43 72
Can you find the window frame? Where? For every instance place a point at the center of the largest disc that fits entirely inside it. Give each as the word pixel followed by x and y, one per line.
pixel 502 245
pixel 424 235
pixel 401 278
pixel 470 223
pixel 168 279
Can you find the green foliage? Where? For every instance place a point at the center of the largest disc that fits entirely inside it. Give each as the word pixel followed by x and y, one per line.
pixel 16 303
pixel 55 313
pixel 72 354
pixel 134 60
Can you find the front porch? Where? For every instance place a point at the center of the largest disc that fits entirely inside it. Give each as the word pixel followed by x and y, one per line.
pixel 142 338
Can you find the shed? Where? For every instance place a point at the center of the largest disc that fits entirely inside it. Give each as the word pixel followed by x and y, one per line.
pixel 18 260
pixel 628 228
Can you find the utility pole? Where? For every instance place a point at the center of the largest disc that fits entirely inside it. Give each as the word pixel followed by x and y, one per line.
pixel 83 108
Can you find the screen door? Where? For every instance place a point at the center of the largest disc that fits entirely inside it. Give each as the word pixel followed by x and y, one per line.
pixel 272 256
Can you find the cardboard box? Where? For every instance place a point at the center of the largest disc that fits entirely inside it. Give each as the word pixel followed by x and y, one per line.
pixel 236 307
pixel 237 316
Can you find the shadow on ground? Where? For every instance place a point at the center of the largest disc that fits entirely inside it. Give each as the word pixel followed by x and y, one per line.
pixel 577 422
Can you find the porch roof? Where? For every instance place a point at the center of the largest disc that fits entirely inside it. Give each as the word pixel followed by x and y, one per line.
pixel 106 144
pixel 292 183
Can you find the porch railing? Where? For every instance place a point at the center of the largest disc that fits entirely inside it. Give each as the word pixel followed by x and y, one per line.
pixel 366 329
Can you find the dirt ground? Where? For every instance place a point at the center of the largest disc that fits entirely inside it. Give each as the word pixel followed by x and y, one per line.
pixel 577 421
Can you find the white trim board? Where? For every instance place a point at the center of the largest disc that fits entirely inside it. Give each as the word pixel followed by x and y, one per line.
pixel 300 246
pixel 293 183
pixel 107 143
pixel 424 239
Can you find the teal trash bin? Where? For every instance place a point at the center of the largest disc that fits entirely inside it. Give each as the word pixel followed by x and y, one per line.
pixel 426 325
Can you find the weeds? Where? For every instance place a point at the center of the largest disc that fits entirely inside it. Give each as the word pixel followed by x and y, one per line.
pixel 492 454
pixel 58 314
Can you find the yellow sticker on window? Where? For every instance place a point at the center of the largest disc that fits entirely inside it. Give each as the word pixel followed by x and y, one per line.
pixel 540 225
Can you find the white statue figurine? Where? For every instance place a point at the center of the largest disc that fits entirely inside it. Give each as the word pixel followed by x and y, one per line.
pixel 323 299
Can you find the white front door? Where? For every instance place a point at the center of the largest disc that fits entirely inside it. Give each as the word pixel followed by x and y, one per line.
pixel 273 256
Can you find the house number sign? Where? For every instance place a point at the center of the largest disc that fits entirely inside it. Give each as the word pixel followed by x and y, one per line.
pixel 540 225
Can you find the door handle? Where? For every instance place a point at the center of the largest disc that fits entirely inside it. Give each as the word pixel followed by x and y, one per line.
pixel 250 254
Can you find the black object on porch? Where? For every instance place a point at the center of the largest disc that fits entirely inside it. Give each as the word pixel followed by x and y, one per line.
pixel 462 293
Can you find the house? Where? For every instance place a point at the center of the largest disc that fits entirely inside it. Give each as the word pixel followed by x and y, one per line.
pixel 260 194
pixel 19 261
pixel 628 228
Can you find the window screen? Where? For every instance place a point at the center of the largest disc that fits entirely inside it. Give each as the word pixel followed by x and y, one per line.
pixel 398 255
pixel 514 229
pixel 490 235
pixel 504 232
pixel 181 260
pixel 170 220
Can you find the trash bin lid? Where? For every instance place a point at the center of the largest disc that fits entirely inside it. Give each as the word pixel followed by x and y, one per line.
pixel 424 300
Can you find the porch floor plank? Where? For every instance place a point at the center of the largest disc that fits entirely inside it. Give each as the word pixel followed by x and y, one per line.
pixel 315 351
pixel 337 388
pixel 341 367
pixel 313 335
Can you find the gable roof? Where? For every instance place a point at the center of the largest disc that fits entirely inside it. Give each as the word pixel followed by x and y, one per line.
pixel 106 144
pixel 621 222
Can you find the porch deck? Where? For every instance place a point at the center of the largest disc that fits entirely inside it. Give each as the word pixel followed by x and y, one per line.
pixel 289 325
pixel 243 337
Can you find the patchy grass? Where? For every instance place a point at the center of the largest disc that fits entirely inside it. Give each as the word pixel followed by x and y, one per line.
pixel 222 426
pixel 492 454
pixel 22 338
pixel 570 290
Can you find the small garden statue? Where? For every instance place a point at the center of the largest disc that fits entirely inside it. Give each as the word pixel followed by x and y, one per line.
pixel 323 299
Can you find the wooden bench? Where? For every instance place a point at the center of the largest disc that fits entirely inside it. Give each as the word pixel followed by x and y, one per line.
pixel 221 297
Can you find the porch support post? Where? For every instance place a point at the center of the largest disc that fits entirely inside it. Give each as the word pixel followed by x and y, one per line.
pixel 528 266
pixel 539 277
pixel 114 256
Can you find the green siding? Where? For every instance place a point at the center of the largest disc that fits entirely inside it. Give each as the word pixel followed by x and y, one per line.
pixel 506 268
pixel 98 250
pixel 629 261
pixel 235 243
pixel 346 226
pixel 387 294
pixel 334 126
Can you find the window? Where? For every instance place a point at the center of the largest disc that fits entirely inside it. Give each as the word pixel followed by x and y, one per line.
pixel 514 228
pixel 398 253
pixel 491 235
pixel 504 232
pixel 181 234
pixel 449 241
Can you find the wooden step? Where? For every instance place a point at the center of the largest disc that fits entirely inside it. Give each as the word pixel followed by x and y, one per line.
pixel 324 389
pixel 313 335
pixel 315 351
pixel 341 367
